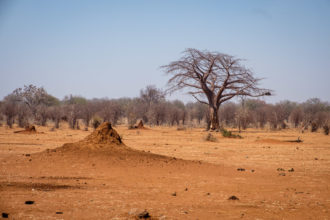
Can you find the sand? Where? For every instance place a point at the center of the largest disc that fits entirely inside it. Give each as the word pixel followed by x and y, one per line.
pixel 73 174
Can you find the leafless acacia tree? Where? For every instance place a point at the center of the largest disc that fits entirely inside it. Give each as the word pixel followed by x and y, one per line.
pixel 9 109
pixel 32 96
pixel 212 78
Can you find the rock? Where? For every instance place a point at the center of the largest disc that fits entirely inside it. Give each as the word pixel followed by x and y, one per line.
pixel 144 215
pixel 173 194
pixel 29 202
pixel 59 213
pixel 291 170
pixel 5 215
pixel 280 169
pixel 240 169
pixel 233 198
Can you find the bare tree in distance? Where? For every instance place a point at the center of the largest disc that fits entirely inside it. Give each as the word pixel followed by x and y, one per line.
pixel 32 96
pixel 10 109
pixel 152 95
pixel 212 78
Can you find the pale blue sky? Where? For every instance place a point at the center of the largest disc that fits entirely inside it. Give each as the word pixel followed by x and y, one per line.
pixel 114 48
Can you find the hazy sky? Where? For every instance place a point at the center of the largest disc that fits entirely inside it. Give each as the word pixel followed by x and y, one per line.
pixel 114 48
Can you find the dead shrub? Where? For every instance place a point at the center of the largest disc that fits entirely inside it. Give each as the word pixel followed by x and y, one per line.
pixel 210 137
pixel 96 121
pixel 314 127
pixel 326 129
pixel 229 134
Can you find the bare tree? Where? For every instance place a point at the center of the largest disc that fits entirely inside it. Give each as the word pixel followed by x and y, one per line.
pixel 261 116
pixel 227 113
pixel 87 111
pixel 296 116
pixel 151 95
pixel 32 96
pixel 42 114
pixel 257 109
pixel 157 113
pixel 73 109
pixel 10 109
pixel 23 113
pixel 197 111
pixel 148 97
pixel 212 78
pixel 55 114
pixel 110 111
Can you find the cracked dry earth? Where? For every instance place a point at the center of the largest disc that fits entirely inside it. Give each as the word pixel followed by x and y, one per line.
pixel 172 174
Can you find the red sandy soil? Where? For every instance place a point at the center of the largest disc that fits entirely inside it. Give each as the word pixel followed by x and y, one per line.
pixel 99 177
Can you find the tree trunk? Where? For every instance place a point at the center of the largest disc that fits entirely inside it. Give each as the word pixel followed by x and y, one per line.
pixel 214 119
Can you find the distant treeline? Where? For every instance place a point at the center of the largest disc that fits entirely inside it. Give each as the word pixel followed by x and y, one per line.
pixel 33 105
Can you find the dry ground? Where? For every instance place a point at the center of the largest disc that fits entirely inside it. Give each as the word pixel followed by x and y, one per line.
pixel 87 185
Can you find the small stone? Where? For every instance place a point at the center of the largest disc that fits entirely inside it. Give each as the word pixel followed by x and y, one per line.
pixel 144 215
pixel 5 215
pixel 233 198
pixel 173 194
pixel 59 213
pixel 240 169
pixel 291 170
pixel 29 202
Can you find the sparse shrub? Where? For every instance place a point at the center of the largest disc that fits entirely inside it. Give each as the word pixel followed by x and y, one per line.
pixel 314 127
pixel 229 134
pixel 326 129
pixel 210 137
pixel 96 121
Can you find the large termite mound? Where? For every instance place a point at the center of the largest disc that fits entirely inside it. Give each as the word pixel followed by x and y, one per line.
pixel 139 125
pixel 103 144
pixel 104 134
pixel 103 138
pixel 102 149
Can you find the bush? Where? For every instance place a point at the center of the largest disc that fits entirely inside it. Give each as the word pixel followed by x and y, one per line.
pixel 210 138
pixel 229 134
pixel 314 127
pixel 96 121
pixel 326 129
